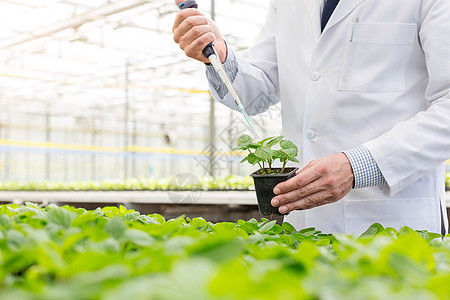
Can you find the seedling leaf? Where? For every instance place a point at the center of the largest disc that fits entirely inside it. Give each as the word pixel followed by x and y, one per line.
pixel 115 228
pixel 253 159
pixel 244 140
pixel 267 226
pixel 275 141
pixel 264 153
pixel 264 140
pixel 285 144
pixel 288 228
pixel 290 152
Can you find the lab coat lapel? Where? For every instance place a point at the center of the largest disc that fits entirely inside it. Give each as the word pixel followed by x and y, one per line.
pixel 314 7
pixel 342 10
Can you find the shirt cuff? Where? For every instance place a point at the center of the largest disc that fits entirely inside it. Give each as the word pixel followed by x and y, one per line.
pixel 365 170
pixel 231 69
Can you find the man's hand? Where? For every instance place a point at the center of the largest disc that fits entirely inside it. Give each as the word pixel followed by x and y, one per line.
pixel 192 31
pixel 322 181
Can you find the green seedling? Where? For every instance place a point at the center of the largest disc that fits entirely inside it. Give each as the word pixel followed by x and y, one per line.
pixel 264 153
pixel 116 253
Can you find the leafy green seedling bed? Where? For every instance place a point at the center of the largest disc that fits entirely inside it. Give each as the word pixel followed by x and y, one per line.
pixel 163 184
pixel 115 253
pixel 237 183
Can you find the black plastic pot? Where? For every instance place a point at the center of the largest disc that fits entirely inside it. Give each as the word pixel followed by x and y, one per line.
pixel 264 184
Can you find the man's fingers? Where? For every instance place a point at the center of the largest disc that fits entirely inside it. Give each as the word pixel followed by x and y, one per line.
pixel 298 193
pixel 304 177
pixel 192 32
pixel 183 14
pixel 195 49
pixel 192 36
pixel 310 201
pixel 190 25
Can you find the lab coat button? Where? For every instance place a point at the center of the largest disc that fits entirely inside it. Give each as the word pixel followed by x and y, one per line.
pixel 315 76
pixel 310 134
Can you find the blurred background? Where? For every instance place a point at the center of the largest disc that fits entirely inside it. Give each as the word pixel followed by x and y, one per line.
pixel 98 89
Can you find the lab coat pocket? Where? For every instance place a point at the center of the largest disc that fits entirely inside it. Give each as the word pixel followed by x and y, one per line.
pixel 376 56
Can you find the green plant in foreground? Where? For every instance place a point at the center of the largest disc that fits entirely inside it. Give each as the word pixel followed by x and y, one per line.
pixel 261 152
pixel 113 253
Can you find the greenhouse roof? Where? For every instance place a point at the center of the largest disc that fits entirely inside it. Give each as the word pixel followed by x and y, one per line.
pixel 94 58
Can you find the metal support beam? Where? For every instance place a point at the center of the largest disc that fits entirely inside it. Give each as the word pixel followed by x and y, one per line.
pixel 212 138
pixel 47 153
pixel 125 121
pixel 134 157
pixel 74 22
pixel 93 155
pixel 3 154
pixel 212 117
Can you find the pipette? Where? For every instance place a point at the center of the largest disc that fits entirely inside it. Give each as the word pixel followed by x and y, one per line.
pixel 211 53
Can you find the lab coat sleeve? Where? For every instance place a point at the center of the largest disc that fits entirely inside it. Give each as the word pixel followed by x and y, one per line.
pixel 416 146
pixel 218 88
pixel 256 80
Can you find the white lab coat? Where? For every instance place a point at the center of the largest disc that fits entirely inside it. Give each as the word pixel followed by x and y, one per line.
pixel 379 76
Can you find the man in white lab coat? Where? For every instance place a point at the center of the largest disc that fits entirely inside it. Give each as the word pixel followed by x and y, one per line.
pixel 365 94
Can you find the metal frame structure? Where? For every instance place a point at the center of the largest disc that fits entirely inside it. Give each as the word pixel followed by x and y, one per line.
pixel 95 89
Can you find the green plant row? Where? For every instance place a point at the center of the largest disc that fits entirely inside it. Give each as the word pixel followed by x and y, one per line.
pixel 447 180
pixel 164 184
pixel 114 253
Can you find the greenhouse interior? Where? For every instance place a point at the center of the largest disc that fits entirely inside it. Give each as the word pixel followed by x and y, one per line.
pixel 122 177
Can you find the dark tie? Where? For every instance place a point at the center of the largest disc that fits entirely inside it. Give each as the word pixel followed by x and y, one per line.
pixel 328 11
